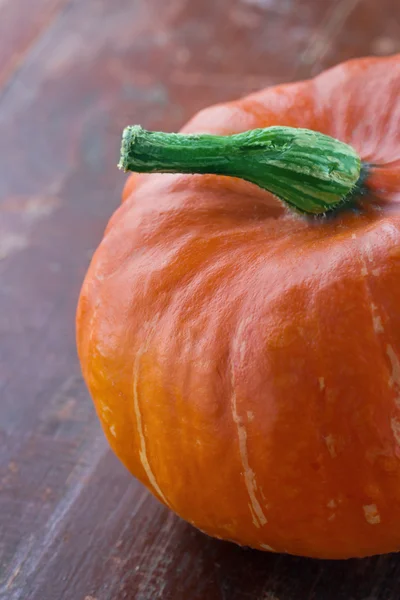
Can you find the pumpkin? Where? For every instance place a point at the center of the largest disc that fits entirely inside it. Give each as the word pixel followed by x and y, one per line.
pixel 240 334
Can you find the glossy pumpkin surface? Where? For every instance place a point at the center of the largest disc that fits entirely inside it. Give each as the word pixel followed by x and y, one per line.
pixel 245 360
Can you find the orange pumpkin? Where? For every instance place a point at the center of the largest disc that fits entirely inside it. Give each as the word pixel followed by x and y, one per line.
pixel 244 359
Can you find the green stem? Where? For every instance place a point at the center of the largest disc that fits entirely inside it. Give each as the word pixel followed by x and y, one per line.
pixel 311 172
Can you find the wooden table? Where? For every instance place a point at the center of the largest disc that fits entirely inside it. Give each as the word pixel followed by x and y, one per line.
pixel 74 524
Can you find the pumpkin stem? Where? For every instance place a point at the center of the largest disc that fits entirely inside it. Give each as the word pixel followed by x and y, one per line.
pixel 311 172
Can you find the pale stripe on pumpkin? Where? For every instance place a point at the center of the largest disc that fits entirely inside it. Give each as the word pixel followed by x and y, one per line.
pixel 139 421
pixel 257 513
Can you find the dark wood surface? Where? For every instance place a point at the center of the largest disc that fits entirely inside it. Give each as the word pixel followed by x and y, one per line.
pixel 74 525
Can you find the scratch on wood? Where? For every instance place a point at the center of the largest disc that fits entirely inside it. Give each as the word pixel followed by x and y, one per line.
pixel 13 576
pixel 10 243
pixel 321 42
pixel 18 59
pixel 19 561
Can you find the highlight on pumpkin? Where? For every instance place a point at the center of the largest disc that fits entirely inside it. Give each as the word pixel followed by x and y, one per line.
pixel 309 171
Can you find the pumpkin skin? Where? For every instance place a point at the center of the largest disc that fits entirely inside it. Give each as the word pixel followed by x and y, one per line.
pixel 244 360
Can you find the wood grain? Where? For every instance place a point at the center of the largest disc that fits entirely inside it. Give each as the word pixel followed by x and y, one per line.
pixel 21 29
pixel 73 524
